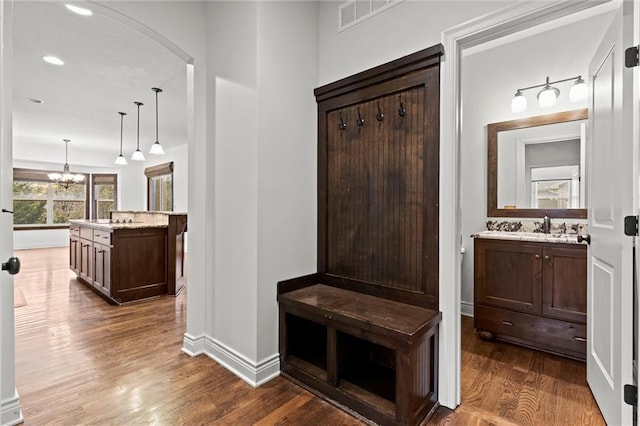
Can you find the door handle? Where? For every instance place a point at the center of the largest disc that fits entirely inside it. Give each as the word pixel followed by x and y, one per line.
pixel 6 211
pixel 586 238
pixel 12 265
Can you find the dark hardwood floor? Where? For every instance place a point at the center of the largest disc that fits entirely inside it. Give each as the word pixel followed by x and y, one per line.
pixel 80 360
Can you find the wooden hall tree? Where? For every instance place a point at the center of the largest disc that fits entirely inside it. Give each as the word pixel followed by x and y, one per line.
pixel 363 330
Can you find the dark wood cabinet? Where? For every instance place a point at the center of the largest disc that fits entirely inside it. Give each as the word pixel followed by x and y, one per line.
pixel 122 264
pixel 531 293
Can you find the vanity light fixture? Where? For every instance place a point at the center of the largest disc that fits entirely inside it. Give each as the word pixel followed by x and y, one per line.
pixel 66 178
pixel 548 96
pixel 156 148
pixel 53 60
pixel 120 160
pixel 79 10
pixel 137 155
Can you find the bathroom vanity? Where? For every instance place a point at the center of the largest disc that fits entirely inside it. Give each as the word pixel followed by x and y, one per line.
pixel 531 289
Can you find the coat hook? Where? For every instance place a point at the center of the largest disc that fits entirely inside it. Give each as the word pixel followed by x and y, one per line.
pixel 402 111
pixel 379 115
pixel 360 120
pixel 342 124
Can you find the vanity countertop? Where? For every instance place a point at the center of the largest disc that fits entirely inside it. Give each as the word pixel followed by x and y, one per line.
pixel 529 236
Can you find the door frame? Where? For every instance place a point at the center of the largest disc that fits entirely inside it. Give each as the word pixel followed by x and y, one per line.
pixel 506 21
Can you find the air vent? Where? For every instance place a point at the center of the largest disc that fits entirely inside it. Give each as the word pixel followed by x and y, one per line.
pixel 354 11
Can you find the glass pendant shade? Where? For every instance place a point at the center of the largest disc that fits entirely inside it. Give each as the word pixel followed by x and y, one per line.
pixel 120 160
pixel 547 97
pixel 137 155
pixel 519 102
pixel 156 148
pixel 579 91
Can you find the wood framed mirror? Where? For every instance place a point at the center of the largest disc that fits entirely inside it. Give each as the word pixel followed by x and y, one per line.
pixel 536 165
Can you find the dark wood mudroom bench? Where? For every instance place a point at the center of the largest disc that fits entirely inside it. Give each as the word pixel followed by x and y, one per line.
pixel 372 354
pixel 362 331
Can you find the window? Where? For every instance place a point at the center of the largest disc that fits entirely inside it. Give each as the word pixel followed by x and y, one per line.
pixel 104 190
pixel 160 187
pixel 38 202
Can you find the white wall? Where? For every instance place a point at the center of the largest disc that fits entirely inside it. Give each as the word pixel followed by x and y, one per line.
pixel 490 77
pixel 401 30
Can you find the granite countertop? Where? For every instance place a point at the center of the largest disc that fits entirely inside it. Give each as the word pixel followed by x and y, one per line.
pixel 529 236
pixel 107 225
pixel 152 212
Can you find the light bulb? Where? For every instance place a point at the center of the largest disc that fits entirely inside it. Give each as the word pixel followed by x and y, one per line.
pixel 579 91
pixel 518 103
pixel 137 155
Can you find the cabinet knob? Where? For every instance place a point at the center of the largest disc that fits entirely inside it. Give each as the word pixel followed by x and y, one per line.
pixel 537 256
pixel 547 257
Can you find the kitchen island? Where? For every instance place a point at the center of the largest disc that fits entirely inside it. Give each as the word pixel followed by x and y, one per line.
pixel 130 256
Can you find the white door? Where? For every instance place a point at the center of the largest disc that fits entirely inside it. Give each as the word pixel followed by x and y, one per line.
pixel 610 182
pixel 10 412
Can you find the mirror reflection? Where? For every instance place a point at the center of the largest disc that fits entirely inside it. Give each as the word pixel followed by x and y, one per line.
pixel 541 167
pixel 536 165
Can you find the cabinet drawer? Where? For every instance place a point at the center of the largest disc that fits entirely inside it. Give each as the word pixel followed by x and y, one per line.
pixel 102 237
pixel 86 233
pixel 561 337
pixel 74 230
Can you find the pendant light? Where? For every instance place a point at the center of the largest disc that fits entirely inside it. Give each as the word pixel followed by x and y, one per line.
pixel 66 178
pixel 137 155
pixel 156 148
pixel 120 160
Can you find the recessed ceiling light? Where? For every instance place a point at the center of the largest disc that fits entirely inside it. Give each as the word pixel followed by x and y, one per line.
pixel 53 60
pixel 33 100
pixel 79 10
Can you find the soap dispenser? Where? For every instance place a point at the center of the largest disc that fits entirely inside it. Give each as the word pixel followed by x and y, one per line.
pixel 546 224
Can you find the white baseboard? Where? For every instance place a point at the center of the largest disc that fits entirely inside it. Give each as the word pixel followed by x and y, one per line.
pixel 466 308
pixel 193 346
pixel 251 372
pixel 10 412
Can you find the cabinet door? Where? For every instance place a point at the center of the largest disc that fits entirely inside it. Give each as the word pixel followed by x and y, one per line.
pixel 508 274
pixel 86 260
pixel 102 268
pixel 565 283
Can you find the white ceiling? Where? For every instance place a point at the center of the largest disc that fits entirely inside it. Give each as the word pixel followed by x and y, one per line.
pixel 107 67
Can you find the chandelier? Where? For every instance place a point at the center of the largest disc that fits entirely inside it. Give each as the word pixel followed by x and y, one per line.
pixel 66 178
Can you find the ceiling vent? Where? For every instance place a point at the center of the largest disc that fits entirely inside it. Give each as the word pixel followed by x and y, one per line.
pixel 354 11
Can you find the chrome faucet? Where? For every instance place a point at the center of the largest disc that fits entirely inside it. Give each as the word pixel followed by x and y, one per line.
pixel 546 224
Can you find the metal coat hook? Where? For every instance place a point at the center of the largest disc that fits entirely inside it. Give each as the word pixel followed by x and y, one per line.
pixel 342 124
pixel 360 120
pixel 379 115
pixel 402 111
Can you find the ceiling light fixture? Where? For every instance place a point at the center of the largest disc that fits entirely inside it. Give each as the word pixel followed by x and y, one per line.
pixel 66 178
pixel 53 60
pixel 79 10
pixel 156 148
pixel 120 160
pixel 137 155
pixel 548 96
